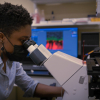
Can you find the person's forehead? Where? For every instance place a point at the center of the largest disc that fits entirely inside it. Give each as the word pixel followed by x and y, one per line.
pixel 22 32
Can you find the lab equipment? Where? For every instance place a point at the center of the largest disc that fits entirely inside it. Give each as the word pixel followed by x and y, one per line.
pixel 93 67
pixel 42 16
pixel 98 8
pixel 75 20
pixel 34 70
pixel 96 49
pixel 36 17
pixel 52 15
pixel 67 70
pixel 91 41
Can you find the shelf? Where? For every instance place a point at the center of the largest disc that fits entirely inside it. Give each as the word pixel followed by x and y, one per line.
pixel 64 24
pixel 90 45
pixel 59 1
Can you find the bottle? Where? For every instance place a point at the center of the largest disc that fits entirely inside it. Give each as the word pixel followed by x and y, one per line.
pixel 36 17
pixel 52 15
pixel 42 16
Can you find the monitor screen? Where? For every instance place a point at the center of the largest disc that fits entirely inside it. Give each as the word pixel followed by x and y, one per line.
pixel 57 39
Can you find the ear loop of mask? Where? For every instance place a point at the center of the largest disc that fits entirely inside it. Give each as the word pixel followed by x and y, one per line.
pixel 3 46
pixel 2 50
pixel 8 40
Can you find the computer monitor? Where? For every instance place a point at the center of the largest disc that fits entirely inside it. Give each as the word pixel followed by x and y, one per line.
pixel 57 39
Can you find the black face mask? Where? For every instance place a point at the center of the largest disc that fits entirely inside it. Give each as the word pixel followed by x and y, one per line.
pixel 19 54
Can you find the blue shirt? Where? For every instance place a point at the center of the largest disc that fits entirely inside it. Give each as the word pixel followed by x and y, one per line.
pixel 15 75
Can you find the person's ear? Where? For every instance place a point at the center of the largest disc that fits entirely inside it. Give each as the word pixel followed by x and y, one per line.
pixel 1 37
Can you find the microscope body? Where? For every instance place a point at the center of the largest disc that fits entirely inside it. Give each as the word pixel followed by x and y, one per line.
pixel 69 71
pixel 71 75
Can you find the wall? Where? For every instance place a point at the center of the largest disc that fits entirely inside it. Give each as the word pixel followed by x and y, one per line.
pixel 69 10
pixel 72 10
pixel 28 4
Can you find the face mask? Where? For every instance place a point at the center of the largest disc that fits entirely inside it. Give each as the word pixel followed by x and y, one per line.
pixel 19 54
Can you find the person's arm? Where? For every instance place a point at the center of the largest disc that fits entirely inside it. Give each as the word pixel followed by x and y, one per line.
pixel 25 82
pixel 48 91
pixel 33 87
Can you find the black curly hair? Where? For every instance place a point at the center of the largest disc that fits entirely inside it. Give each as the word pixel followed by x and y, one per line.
pixel 13 17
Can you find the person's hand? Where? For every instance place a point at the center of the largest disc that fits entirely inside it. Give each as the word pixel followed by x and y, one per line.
pixel 62 92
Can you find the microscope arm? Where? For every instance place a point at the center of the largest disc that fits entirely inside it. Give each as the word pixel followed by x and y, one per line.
pixel 71 74
pixel 69 71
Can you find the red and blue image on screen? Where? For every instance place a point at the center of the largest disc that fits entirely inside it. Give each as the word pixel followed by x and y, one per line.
pixel 54 40
pixel 57 39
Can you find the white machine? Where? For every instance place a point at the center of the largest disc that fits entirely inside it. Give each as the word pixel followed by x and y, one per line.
pixel 67 70
pixel 71 75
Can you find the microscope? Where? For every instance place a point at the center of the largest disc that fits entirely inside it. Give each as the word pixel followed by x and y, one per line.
pixel 70 72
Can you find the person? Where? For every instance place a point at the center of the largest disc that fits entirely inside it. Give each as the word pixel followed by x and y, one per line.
pixel 15 28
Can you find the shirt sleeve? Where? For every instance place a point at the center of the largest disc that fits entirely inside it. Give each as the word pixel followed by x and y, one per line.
pixel 26 83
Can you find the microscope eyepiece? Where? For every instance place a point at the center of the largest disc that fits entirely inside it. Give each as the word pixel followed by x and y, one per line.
pixel 28 43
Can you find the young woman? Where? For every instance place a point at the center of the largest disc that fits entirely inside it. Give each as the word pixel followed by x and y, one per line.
pixel 15 28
